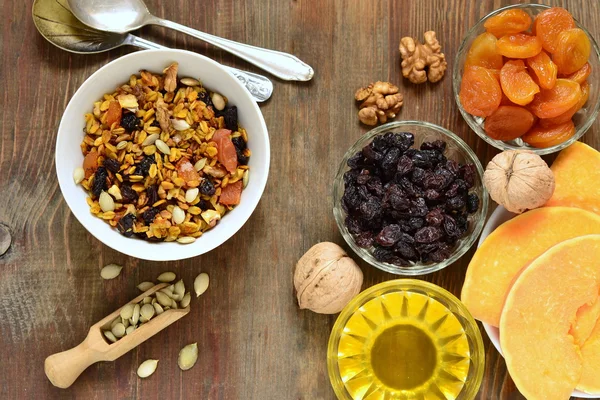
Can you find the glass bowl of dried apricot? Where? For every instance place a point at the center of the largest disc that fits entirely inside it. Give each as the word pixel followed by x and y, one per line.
pixel 521 78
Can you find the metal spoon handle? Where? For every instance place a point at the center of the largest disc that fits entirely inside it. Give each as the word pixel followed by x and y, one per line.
pixel 282 65
pixel 260 87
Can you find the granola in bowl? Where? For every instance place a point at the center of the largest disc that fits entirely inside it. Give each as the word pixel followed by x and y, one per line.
pixel 164 159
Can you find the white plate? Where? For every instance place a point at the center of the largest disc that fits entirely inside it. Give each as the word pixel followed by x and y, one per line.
pixel 498 217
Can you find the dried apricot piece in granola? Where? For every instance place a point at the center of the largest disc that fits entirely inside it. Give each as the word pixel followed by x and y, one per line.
pixel 516 83
pixel 220 133
pixel 480 91
pixel 544 69
pixel 541 137
pixel 90 163
pixel 573 50
pixel 550 23
pixel 187 172
pixel 553 102
pixel 519 45
pixel 231 194
pixel 508 122
pixel 483 52
pixel 567 115
pixel 114 113
pixel 508 22
pixel 581 74
pixel 226 154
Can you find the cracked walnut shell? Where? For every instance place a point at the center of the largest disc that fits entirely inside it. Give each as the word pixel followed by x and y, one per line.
pixel 380 101
pixel 326 279
pixel 421 62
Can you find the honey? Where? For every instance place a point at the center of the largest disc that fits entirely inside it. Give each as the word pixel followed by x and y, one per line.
pixel 403 345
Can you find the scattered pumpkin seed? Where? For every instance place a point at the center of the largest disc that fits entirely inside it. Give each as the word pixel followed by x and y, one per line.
pixel 78 175
pixel 201 284
pixel 186 300
pixel 110 271
pixel 145 286
pixel 147 368
pixel 190 82
pixel 106 202
pixel 127 311
pixel 188 356
pixel 109 335
pixel 179 287
pixel 147 311
pixel 163 299
pixel 136 314
pixel 118 330
pixel 150 139
pixel 162 147
pixel 166 277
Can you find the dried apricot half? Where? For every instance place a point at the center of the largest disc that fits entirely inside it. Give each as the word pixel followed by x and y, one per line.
pixel 516 83
pixel 541 137
pixel 573 50
pixel 114 113
pixel 581 74
pixel 519 45
pixel 567 115
pixel 508 122
pixel 483 53
pixel 480 91
pixel 508 22
pixel 550 103
pixel 544 69
pixel 550 23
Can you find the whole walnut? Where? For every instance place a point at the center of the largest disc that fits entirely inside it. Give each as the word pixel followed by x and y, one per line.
pixel 326 279
pixel 379 101
pixel 417 57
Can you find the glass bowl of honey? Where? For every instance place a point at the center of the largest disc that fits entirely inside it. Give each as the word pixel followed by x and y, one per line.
pixel 405 339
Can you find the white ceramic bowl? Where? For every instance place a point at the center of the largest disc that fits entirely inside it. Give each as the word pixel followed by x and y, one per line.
pixel 498 217
pixel 108 78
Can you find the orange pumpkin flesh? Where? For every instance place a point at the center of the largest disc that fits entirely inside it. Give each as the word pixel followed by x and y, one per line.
pixel 590 352
pixel 513 245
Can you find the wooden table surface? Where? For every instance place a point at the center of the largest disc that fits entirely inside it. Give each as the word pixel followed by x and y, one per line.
pixel 254 341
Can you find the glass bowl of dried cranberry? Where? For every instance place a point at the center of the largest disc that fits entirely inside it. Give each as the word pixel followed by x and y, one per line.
pixel 409 198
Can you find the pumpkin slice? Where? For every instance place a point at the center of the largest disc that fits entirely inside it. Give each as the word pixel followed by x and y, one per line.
pixel 513 245
pixel 590 352
pixel 577 173
pixel 540 354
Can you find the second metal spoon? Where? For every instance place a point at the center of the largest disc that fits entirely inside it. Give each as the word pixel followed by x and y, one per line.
pixel 58 25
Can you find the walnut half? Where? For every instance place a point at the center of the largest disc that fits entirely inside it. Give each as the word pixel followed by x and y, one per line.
pixel 421 62
pixel 379 101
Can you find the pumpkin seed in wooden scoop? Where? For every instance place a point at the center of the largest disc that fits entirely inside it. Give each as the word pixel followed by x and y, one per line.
pixel 127 311
pixel 111 271
pixel 188 356
pixel 147 311
pixel 186 300
pixel 147 368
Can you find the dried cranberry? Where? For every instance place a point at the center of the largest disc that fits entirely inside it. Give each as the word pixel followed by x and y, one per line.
pixel 455 203
pixel 363 177
pixel 152 194
pixel 99 183
pixel 241 157
pixel 472 203
pixel 418 207
pixel 356 160
pixel 432 195
pixel 371 155
pixel 150 214
pixel 438 145
pixel 112 165
pixel 204 96
pixel 453 167
pixel 239 143
pixel 230 117
pixel 206 187
pixel 467 172
pixel 417 176
pixel 442 253
pixel 145 165
pixel 434 217
pixel 350 177
pixel 129 195
pixel 390 161
pixel 428 234
pixel 353 225
pixel 389 235
pixel 130 122
pixel 364 239
pixel 409 188
pixel 450 226
pixel 125 225
pixel 370 209
pixel 415 223
pixel 405 165
pixel 406 250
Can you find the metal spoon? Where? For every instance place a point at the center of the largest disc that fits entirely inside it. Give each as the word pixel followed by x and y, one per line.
pixel 58 25
pixel 123 16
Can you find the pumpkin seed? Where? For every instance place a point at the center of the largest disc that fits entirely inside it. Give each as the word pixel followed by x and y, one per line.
pixel 186 300
pixel 188 356
pixel 127 311
pixel 218 101
pixel 245 178
pixel 163 299
pixel 125 323
pixel 147 300
pixel 186 240
pixel 178 215
pixel 136 314
pixel 118 330
pixel 78 175
pixel 162 147
pixel 109 335
pixel 191 194
pixel 143 320
pixel 116 321
pixel 177 297
pixel 166 277
pixel 174 304
pixel 106 202
pixel 110 271
pixel 179 287
pixel 150 139
pixel 129 329
pixel 145 286
pixel 180 124
pixel 147 311
pixel 158 308
pixel 200 164
pixel 166 291
pixel 190 82
pixel 147 368
pixel 201 284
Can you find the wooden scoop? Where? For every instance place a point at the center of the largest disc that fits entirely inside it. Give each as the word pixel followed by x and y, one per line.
pixel 63 368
